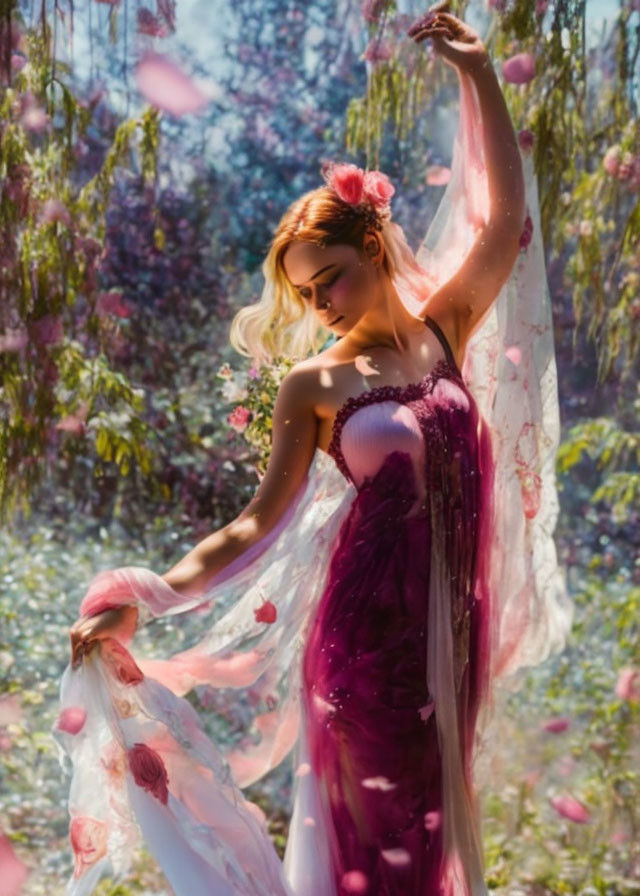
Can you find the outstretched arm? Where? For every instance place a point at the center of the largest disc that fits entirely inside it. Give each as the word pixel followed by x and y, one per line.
pixel 108 607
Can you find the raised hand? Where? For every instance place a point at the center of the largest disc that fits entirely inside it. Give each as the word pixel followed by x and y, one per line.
pixel 457 43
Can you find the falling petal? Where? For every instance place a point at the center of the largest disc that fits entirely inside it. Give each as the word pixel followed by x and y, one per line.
pixel 556 725
pixel 438 175
pixel 378 783
pixel 519 69
pixel 354 882
pixel 571 808
pixel 303 769
pixel 10 710
pixel 309 822
pixel 514 354
pixel 433 820
pixel 165 85
pixel 13 872
pixel 362 366
pixel 72 719
pixel 398 857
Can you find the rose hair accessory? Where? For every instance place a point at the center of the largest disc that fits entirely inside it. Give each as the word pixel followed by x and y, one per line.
pixel 369 192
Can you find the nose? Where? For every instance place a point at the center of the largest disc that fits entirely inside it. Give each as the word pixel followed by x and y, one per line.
pixel 321 300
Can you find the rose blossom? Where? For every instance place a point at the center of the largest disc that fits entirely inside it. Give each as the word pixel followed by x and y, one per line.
pixel 611 160
pixel 149 771
pixel 377 188
pixel 348 182
pixel 239 417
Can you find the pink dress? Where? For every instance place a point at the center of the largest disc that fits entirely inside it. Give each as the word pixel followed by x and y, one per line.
pixel 418 458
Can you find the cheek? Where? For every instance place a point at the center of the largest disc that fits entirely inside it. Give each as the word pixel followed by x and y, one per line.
pixel 343 288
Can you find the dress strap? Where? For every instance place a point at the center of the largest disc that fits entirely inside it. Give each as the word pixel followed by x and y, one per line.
pixel 431 323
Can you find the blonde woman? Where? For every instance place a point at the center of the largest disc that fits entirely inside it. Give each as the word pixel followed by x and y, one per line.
pixel 362 607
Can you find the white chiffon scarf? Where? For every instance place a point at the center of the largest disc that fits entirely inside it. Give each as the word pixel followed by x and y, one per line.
pixel 141 763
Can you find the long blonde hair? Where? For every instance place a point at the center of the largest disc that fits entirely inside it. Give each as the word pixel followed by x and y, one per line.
pixel 281 323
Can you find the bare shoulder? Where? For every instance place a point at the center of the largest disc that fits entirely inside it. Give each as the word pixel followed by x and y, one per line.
pixel 316 380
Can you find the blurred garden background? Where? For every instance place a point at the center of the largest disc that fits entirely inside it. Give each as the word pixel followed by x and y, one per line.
pixel 146 154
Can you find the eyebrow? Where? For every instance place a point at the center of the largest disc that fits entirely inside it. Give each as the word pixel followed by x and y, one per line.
pixel 317 273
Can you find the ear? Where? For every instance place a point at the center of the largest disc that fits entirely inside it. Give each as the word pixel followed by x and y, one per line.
pixel 372 246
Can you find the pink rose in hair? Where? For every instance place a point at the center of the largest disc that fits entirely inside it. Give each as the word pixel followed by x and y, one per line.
pixel 88 838
pixel 149 771
pixel 377 188
pixel 348 181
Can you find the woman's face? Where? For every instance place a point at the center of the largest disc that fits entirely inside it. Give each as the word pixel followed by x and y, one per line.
pixel 334 281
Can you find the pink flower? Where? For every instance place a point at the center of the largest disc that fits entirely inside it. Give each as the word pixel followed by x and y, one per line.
pixel 121 662
pixel 54 210
pixel 14 871
pixel 266 613
pixel 628 684
pixel 527 233
pixel 571 808
pixel 46 331
pixel 239 417
pixel 541 7
pixel 626 166
pixel 225 372
pixel 377 51
pixel 526 139
pixel 149 771
pixel 556 725
pixel 13 341
pixel 519 69
pixel 88 838
pixel 112 303
pixel 253 373
pixel 377 188
pixel 371 10
pixel 72 719
pixel 348 182
pixel 33 117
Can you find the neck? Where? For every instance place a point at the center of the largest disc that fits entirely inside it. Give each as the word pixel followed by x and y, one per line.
pixel 387 324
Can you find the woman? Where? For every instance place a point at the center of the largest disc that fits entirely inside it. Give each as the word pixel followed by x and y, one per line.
pixel 370 601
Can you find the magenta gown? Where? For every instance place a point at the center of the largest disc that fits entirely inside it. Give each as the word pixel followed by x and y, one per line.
pixel 418 456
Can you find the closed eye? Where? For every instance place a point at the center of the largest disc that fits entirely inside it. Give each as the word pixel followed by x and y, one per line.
pixel 328 284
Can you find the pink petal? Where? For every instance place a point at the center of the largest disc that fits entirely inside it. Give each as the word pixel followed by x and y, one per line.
pixel 519 69
pixel 165 85
pixel 378 783
pixel 571 808
pixel 398 857
pixel 433 820
pixel 303 769
pixel 10 710
pixel 628 684
pixel 13 872
pixel 514 354
pixel 437 175
pixel 556 725
pixel 72 719
pixel 354 882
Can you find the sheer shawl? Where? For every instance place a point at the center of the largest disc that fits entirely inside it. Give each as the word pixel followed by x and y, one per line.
pixel 140 758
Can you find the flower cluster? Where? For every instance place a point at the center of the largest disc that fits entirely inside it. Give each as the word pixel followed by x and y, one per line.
pixel 369 191
pixel 623 166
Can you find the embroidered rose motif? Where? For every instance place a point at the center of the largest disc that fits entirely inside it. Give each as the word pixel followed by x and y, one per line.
pixel 112 760
pixel 88 838
pixel 120 662
pixel 149 771
pixel 530 488
pixel 72 719
pixel 266 613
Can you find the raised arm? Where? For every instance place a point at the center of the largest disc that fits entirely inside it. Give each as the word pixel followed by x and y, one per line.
pixel 294 438
pixel 461 302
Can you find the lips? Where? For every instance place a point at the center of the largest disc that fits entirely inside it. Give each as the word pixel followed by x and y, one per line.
pixel 336 320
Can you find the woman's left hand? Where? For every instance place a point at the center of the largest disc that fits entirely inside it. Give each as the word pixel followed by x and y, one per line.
pixel 453 39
